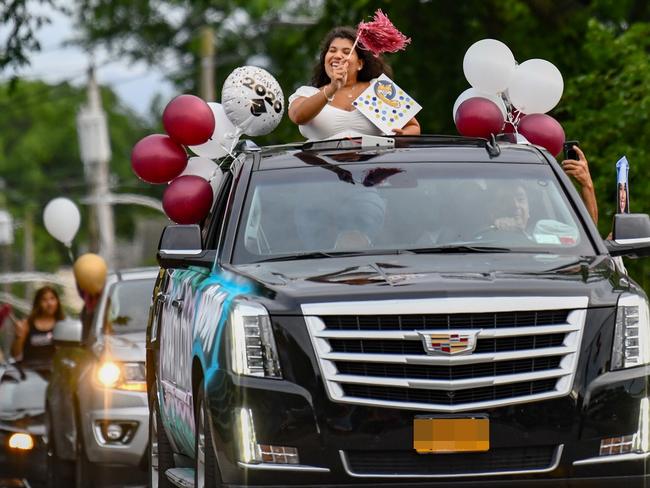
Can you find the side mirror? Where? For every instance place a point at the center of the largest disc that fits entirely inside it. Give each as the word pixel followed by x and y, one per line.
pixel 631 236
pixel 68 332
pixel 180 245
pixel 180 239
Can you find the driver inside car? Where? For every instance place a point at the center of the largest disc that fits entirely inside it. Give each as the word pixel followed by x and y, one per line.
pixel 514 209
pixel 361 220
pixel 352 225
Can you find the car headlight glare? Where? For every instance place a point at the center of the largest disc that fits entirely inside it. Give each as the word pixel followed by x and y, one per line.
pixel 121 376
pixel 253 350
pixel 632 335
pixel 108 374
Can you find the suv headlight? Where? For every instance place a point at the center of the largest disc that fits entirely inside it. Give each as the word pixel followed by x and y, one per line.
pixel 253 351
pixel 121 376
pixel 632 335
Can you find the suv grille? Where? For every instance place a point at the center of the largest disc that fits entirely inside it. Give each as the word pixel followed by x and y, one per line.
pixel 525 350
pixel 409 463
pixel 446 321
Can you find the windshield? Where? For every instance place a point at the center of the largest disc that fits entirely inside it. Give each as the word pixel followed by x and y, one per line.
pixel 425 207
pixel 127 308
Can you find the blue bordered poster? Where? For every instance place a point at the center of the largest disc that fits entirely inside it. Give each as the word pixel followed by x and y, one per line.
pixel 386 105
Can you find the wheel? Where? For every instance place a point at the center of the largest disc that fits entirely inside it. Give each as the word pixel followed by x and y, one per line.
pixel 161 456
pixel 60 472
pixel 85 471
pixel 206 472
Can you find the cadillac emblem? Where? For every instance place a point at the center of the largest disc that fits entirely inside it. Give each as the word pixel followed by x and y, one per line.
pixel 449 343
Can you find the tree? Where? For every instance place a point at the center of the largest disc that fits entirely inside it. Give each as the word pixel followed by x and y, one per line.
pixel 39 157
pixel 23 18
pixel 607 105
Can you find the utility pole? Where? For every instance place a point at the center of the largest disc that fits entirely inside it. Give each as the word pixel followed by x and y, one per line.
pixel 28 244
pixel 95 151
pixel 207 64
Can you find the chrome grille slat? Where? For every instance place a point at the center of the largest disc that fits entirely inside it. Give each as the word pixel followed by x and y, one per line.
pixel 414 336
pixel 376 333
pixel 472 359
pixel 446 385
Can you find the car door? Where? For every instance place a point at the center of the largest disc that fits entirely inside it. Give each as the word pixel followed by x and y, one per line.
pixel 177 304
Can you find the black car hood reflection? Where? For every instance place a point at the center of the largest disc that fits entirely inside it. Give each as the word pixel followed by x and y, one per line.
pixel 432 276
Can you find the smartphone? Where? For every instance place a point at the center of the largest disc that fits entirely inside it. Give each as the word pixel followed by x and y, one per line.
pixel 569 152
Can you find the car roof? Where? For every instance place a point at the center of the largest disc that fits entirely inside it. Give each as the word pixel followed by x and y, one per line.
pixel 405 150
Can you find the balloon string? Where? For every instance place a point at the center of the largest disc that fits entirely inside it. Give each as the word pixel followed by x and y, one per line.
pixel 70 256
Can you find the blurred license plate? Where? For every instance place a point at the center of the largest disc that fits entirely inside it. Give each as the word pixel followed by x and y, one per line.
pixel 438 435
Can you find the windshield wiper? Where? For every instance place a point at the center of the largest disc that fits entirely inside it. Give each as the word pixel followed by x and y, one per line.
pixel 459 248
pixel 334 254
pixel 300 255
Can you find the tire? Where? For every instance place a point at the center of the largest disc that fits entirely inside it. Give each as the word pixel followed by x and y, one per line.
pixel 60 472
pixel 160 454
pixel 206 472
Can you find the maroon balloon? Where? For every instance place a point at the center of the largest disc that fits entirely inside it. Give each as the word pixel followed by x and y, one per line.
pixel 478 117
pixel 187 199
pixel 158 159
pixel 188 120
pixel 543 130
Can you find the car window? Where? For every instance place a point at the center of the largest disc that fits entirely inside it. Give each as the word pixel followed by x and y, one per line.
pixel 212 226
pixel 366 207
pixel 127 306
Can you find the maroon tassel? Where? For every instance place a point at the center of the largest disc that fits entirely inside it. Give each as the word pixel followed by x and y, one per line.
pixel 380 35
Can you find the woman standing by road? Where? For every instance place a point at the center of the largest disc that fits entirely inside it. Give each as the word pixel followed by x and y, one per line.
pixel 34 340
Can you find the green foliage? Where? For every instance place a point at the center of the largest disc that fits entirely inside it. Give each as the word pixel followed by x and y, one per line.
pixel 22 18
pixel 606 105
pixel 39 158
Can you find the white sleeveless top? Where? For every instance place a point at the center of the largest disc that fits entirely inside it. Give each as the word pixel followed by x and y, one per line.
pixel 333 121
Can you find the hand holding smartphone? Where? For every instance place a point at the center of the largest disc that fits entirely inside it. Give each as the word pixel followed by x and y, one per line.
pixel 569 152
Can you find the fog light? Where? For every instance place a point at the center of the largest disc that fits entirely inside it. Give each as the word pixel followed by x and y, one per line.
pixel 114 432
pixel 279 454
pixel 637 443
pixel 249 451
pixel 21 441
pixel 616 445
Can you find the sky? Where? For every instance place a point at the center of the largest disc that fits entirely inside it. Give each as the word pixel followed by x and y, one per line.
pixel 135 83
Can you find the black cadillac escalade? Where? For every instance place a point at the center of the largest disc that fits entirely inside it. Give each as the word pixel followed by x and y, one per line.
pixel 416 311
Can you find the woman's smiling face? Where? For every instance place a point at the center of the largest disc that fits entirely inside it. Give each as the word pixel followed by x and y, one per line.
pixel 337 53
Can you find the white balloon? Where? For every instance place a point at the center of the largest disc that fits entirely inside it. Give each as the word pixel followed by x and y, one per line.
pixel 223 138
pixel 536 86
pixel 472 93
pixel 488 65
pixel 61 218
pixel 253 100
pixel 203 167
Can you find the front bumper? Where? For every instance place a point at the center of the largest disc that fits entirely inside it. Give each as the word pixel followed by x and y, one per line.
pixel 99 407
pixel 546 443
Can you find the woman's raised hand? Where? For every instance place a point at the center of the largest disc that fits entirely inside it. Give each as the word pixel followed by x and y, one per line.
pixel 340 73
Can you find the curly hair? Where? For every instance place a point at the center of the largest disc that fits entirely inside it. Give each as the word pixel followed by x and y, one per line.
pixel 372 66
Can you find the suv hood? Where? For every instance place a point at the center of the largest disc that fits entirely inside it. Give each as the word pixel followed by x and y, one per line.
pixel 435 276
pixel 123 347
